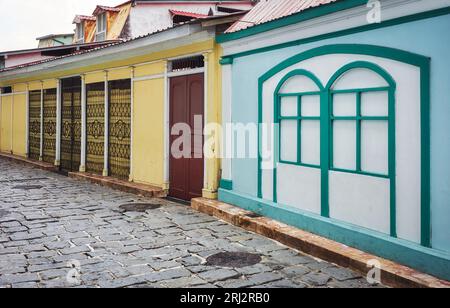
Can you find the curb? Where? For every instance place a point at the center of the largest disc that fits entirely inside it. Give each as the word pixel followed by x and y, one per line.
pixel 127 187
pixel 37 164
pixel 392 274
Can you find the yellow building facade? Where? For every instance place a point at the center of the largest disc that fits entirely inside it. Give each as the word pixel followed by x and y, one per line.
pixel 147 63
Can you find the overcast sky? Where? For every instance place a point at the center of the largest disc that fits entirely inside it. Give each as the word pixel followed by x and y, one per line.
pixel 21 21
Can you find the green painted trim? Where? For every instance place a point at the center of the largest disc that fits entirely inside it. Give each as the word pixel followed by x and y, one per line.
pixel 427 260
pixel 391 133
pixel 384 52
pixel 278 119
pixel 384 176
pixel 299 164
pixel 425 85
pixel 226 184
pixel 349 91
pixel 226 61
pixel 293 19
pixel 384 24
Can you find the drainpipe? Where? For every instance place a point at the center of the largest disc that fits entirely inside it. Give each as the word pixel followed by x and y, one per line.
pixel 83 125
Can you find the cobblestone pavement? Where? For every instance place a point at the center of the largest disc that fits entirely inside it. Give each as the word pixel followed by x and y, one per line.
pixel 72 234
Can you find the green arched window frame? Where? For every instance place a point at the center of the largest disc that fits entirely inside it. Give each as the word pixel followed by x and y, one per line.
pixel 423 63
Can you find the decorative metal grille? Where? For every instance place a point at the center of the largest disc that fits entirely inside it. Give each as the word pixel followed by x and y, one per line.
pixel 95 117
pixel 71 125
pixel 49 126
pixel 119 128
pixel 34 125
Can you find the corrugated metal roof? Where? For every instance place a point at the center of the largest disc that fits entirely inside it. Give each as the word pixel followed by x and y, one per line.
pixel 188 14
pixel 269 10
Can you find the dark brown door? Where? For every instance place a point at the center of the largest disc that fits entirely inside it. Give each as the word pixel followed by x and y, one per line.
pixel 187 102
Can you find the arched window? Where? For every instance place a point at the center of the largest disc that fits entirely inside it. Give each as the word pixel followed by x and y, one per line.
pixel 297 111
pixel 362 115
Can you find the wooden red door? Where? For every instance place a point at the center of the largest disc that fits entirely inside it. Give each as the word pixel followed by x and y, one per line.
pixel 187 102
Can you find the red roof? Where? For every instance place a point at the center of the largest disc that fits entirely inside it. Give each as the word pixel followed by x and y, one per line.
pixel 101 8
pixel 269 10
pixel 80 18
pixel 188 14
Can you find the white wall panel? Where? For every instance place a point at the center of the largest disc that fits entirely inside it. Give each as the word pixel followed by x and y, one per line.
pixel 289 140
pixel 289 106
pixel 375 104
pixel 359 78
pixel 360 200
pixel 311 106
pixel 310 137
pixel 374 147
pixel 344 105
pixel 297 84
pixel 344 145
pixel 299 187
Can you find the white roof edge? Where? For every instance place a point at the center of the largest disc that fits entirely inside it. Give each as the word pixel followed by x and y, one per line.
pixel 171 38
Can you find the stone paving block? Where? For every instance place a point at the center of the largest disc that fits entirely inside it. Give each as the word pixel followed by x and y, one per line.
pixel 219 275
pixel 316 279
pixel 340 274
pixel 71 221
pixel 263 278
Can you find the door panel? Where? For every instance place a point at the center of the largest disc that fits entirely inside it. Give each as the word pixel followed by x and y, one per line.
pixel 34 125
pixel 95 118
pixel 187 102
pixel 120 128
pixel 49 126
pixel 71 125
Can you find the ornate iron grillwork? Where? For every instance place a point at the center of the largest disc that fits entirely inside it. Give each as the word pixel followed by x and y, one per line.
pixel 71 125
pixel 49 125
pixel 95 116
pixel 34 125
pixel 119 128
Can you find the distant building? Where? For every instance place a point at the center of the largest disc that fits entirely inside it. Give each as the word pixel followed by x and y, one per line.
pixel 53 40
pixel 136 18
pixel 20 57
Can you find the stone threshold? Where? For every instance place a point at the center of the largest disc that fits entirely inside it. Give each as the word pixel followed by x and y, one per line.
pixel 124 186
pixel 392 274
pixel 35 163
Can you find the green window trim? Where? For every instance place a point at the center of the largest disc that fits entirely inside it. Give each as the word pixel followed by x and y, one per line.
pixel 419 61
pixel 327 136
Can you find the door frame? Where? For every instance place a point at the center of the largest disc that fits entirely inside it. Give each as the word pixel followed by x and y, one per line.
pixel 167 96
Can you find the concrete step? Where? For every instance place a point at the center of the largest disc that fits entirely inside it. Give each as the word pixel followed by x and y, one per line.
pixel 392 274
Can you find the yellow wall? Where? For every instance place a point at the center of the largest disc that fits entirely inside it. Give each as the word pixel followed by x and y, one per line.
pixel 150 69
pixel 19 125
pixel 148 132
pixel 6 124
pixel 116 74
pixel 148 127
pixel 95 77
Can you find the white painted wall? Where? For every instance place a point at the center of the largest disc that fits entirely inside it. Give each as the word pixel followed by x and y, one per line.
pixel 357 199
pixel 146 18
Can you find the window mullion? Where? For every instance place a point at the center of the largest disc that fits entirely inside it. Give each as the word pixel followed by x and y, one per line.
pixel 358 131
pixel 299 130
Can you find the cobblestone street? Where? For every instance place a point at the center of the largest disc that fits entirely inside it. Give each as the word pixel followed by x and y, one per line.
pixel 59 232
